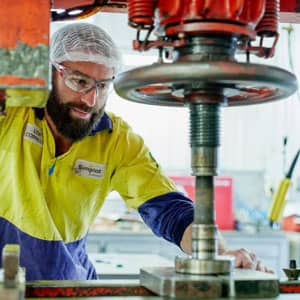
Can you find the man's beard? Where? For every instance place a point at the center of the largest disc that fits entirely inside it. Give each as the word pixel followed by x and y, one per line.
pixel 71 128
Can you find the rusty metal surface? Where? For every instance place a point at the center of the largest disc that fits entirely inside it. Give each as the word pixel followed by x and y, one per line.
pixel 91 288
pixel 24 39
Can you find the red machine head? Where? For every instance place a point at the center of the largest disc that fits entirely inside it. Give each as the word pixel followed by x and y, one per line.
pixel 175 21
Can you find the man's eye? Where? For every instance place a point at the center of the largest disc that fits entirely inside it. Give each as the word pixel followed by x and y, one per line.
pixel 82 82
pixel 79 81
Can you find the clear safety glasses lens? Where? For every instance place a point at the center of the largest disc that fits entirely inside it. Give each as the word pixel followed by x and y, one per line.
pixel 82 84
pixel 78 83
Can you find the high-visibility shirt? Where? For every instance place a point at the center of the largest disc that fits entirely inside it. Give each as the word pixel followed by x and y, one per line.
pixel 48 202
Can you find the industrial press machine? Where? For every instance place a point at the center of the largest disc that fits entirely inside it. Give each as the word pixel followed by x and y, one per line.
pixel 198 42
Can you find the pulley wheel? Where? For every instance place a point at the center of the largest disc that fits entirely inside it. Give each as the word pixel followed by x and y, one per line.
pixel 176 84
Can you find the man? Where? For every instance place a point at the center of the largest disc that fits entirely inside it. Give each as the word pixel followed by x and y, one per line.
pixel 59 163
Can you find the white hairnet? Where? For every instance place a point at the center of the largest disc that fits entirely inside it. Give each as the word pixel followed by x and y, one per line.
pixel 84 42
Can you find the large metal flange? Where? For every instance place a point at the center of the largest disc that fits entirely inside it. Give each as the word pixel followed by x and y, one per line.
pixel 172 84
pixel 193 266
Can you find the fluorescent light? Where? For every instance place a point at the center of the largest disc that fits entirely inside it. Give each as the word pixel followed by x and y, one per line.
pixel 75 12
pixel 59 10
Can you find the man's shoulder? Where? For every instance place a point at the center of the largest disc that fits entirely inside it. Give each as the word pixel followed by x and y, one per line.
pixel 17 111
pixel 15 119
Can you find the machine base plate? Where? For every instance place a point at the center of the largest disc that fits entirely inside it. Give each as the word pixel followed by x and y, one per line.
pixel 243 283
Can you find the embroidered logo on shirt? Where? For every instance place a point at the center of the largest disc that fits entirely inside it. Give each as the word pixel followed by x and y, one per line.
pixel 89 169
pixel 34 134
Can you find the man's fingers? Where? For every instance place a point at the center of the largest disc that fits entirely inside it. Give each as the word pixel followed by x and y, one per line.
pixel 260 267
pixel 247 260
pixel 244 259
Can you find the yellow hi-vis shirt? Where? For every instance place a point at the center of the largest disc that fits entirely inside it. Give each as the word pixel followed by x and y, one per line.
pixel 45 198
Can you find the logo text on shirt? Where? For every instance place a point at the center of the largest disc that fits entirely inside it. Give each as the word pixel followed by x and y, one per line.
pixel 89 169
pixel 34 134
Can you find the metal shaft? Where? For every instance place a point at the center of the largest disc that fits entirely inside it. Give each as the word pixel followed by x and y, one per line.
pixel 204 139
pixel 204 104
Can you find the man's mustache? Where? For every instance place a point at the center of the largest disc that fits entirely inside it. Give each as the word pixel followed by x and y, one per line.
pixel 81 107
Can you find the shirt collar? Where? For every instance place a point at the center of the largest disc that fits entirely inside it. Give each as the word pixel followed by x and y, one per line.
pixel 104 123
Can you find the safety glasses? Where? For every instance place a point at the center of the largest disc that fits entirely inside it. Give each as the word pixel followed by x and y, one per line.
pixel 81 83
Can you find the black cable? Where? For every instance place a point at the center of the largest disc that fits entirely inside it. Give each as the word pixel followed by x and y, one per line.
pixel 292 167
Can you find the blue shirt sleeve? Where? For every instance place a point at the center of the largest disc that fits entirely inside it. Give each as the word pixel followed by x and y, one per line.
pixel 168 215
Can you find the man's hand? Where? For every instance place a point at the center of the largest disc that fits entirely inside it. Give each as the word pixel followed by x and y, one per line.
pixel 247 260
pixel 242 257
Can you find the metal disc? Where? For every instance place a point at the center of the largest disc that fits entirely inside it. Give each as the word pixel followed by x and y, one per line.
pixel 221 265
pixel 171 84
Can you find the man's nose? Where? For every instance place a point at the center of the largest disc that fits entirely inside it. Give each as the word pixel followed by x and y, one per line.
pixel 89 98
